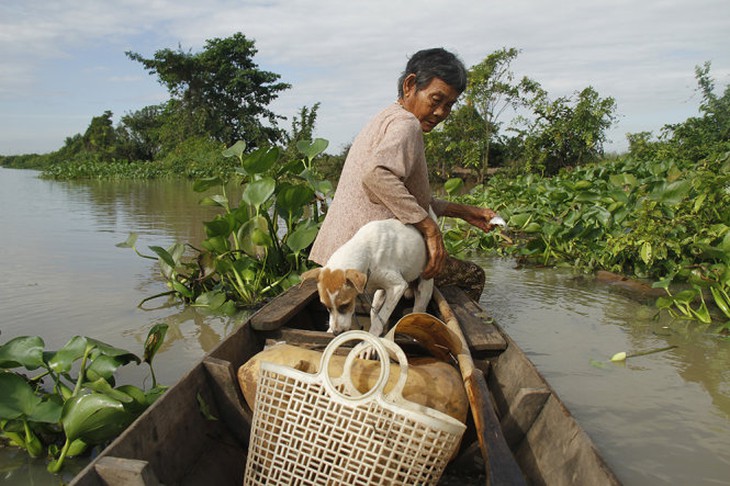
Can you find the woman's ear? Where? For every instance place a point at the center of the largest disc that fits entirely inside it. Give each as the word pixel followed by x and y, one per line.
pixel 409 85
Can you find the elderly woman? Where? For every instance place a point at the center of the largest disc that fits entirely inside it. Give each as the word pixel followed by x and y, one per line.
pixel 385 174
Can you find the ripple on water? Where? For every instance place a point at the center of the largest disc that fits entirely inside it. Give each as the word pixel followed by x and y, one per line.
pixel 657 419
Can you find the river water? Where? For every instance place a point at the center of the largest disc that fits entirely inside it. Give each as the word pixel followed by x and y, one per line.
pixel 657 419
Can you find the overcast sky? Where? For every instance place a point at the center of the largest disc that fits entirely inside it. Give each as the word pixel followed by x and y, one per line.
pixel 63 61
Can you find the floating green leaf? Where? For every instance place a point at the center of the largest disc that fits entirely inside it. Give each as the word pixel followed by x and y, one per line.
pixel 101 348
pixel 94 418
pixel 102 386
pixel 261 238
pixel 19 401
pixel 215 200
pixel 247 232
pixel 292 197
pixel 213 300
pixel 24 351
pixel 219 227
pixel 64 358
pixel 131 240
pixel 164 256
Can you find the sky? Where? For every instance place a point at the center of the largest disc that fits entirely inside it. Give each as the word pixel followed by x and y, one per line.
pixel 63 61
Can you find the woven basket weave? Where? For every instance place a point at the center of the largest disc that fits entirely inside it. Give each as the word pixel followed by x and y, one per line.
pixel 315 429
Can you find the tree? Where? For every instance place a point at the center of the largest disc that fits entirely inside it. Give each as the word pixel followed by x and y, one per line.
pixel 219 92
pixel 302 130
pixel 458 141
pixel 491 90
pixel 143 131
pixel 698 137
pixel 100 137
pixel 565 132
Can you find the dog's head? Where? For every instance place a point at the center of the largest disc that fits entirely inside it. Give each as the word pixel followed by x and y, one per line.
pixel 338 291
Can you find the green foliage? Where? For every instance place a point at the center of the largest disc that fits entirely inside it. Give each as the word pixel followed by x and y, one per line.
pixel 470 136
pixel 144 133
pixel 26 161
pixel 196 158
pixel 459 140
pixel 90 167
pixel 218 95
pixel 659 220
pixel 219 92
pixel 696 138
pixel 193 158
pixel 76 412
pixel 100 137
pixel 546 136
pixel 492 89
pixel 258 248
pixel 564 132
pixel 302 130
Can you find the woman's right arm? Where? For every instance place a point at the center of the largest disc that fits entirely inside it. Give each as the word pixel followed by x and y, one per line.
pixel 434 245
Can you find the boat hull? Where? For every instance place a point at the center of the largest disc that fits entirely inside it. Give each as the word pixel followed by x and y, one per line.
pixel 197 433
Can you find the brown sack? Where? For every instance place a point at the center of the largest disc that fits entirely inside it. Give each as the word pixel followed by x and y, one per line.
pixel 431 382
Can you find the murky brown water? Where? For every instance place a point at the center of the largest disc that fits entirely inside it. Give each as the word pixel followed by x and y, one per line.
pixel 658 419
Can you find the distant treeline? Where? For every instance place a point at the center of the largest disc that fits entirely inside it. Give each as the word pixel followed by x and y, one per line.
pixel 219 96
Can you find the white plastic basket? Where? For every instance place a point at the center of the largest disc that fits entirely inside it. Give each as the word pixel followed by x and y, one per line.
pixel 315 429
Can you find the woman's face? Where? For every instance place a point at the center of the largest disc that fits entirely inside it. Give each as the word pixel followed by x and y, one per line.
pixel 432 104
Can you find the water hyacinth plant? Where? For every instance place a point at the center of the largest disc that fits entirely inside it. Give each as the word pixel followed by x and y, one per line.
pixel 256 247
pixel 666 221
pixel 48 411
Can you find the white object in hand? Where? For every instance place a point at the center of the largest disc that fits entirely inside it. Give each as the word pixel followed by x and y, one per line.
pixel 498 221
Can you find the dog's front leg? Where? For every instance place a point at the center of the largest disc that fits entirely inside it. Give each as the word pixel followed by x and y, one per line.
pixel 378 299
pixel 379 321
pixel 424 291
pixel 376 326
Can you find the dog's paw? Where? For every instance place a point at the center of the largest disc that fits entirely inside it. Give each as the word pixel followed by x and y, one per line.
pixel 368 353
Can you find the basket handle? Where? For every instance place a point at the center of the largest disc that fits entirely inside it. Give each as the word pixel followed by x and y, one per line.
pixel 368 341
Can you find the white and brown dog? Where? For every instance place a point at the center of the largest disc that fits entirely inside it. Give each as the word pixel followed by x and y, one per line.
pixel 384 256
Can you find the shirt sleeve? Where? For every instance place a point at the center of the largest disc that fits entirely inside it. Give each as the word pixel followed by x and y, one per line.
pixel 392 163
pixel 438 206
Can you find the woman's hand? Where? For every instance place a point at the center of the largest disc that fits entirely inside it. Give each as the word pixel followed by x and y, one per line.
pixel 479 217
pixel 434 246
pixel 474 215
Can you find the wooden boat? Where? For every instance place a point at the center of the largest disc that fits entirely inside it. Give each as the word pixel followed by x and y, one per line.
pixel 519 431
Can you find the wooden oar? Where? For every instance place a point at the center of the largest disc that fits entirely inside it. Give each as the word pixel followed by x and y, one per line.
pixel 501 467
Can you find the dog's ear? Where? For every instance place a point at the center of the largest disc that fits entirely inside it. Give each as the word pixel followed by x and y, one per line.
pixel 356 279
pixel 313 273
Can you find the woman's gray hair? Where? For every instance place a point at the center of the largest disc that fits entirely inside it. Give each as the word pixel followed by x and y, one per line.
pixel 434 63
